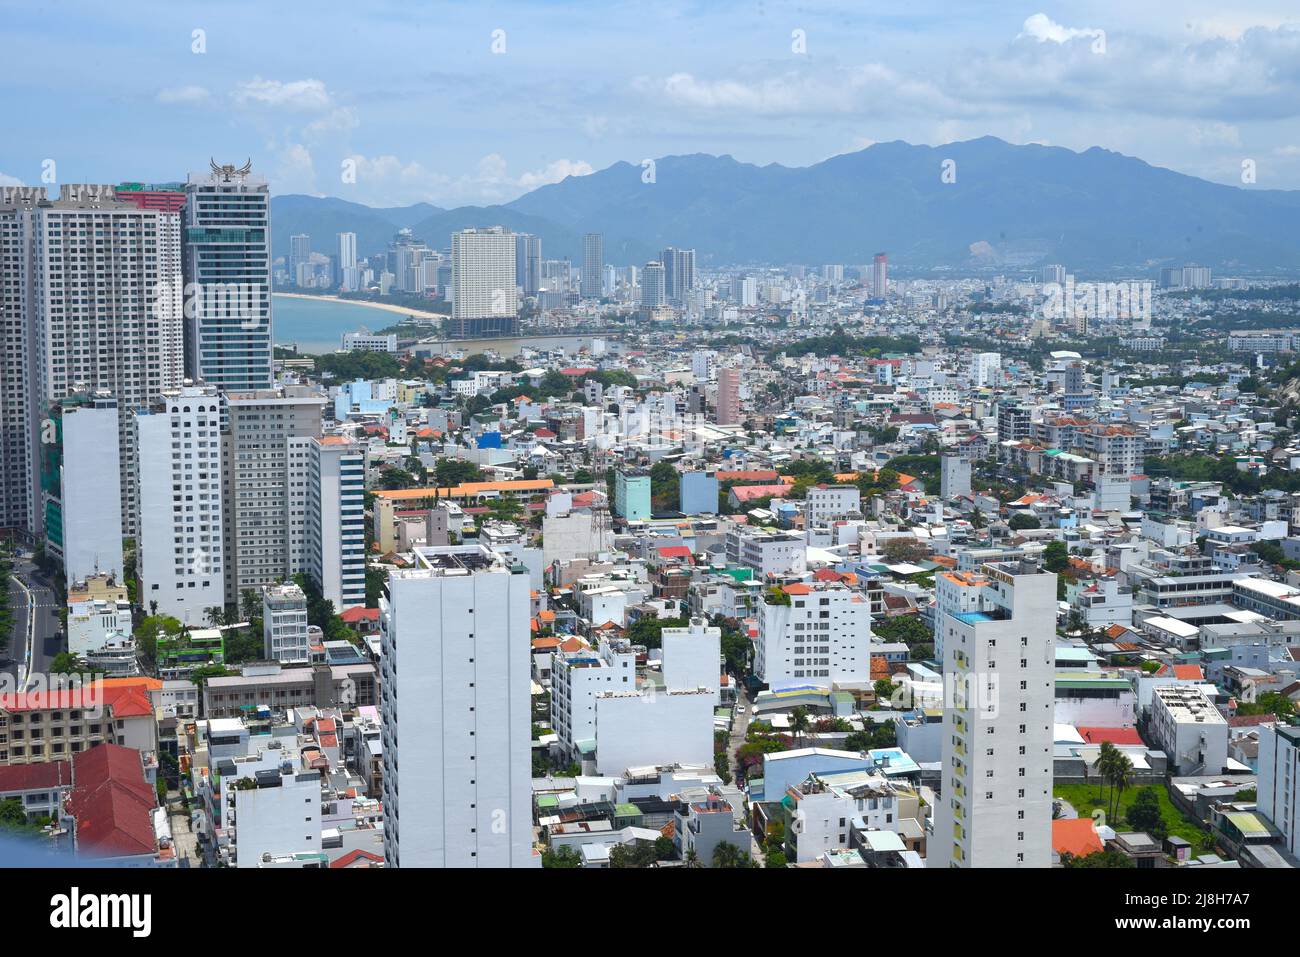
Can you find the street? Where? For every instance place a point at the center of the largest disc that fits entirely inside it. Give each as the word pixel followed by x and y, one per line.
pixel 31 647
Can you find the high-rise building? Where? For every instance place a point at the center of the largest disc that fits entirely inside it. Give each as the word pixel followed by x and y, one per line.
pixel 19 486
pixel 744 291
pixel 299 255
pixel 349 275
pixel 954 476
pixel 80 482
pixel 336 533
pixel 266 448
pixel 228 259
pixel 528 263
pixel 593 265
pixel 632 495
pixel 1054 273
pixel 728 396
pixel 995 807
pixel 483 278
pixel 457 699
pixel 679 274
pixel 179 545
pixel 96 307
pixel 880 276
pixel 652 285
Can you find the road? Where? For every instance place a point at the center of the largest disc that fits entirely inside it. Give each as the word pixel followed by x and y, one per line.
pixel 739 725
pixel 36 633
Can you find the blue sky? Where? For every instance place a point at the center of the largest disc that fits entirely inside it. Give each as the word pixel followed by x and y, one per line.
pixel 416 97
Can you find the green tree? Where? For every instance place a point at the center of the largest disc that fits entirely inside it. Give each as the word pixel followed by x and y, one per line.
pixel 1144 814
pixel 1056 557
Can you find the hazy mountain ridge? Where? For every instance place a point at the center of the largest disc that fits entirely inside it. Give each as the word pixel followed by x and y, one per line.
pixel 1009 207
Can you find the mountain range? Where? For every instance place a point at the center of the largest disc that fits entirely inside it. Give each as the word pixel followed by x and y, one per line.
pixel 977 205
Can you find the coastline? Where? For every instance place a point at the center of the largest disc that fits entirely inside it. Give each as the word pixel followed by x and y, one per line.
pixel 385 306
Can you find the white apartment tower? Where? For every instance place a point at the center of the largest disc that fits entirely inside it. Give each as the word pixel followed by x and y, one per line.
pixel 593 265
pixel 228 260
pixel 180 551
pixel 483 277
pixel 995 806
pixel 336 533
pixel 822 636
pixel 81 488
pixel 455 696
pixel 91 303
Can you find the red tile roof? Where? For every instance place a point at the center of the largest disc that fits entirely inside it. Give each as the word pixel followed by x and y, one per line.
pixel 31 777
pixel 357 858
pixel 112 802
pixel 358 613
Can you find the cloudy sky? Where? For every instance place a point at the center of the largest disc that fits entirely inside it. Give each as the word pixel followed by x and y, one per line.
pixel 460 103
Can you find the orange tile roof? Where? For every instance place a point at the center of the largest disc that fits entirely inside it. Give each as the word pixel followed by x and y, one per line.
pixel 1075 836
pixel 466 489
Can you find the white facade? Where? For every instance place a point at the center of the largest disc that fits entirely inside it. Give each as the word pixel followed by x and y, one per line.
pixel 278 820
pixel 91 622
pixel 636 729
pixel 180 556
pixel 1189 729
pixel 483 273
pixel 995 804
pixel 692 657
pixel 823 636
pixel 767 553
pixel 336 533
pixel 1278 787
pixel 284 624
pixel 456 683
pixel 832 503
pixel 89 539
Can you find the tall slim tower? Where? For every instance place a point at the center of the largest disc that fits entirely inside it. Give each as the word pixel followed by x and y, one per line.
pixel 880 276
pixel 348 274
pixel 593 265
pixel 728 396
pixel 299 253
pixel 19 488
pixel 228 259
pixel 528 263
pixel 457 699
pixel 995 806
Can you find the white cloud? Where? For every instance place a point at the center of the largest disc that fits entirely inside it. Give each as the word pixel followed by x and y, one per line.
pixel 183 95
pixel 554 173
pixel 1043 28
pixel 1216 134
pixel 302 95
pixel 342 119
pixel 389 180
pixel 6 180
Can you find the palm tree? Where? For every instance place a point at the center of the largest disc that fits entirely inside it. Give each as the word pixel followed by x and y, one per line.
pixel 692 858
pixel 1105 762
pixel 799 723
pixel 1121 778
